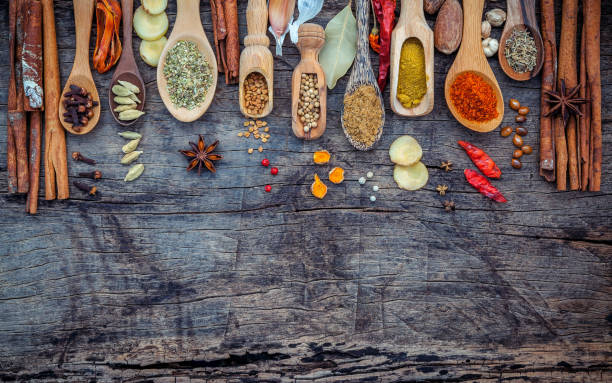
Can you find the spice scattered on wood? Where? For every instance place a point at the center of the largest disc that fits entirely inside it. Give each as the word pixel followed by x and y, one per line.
pixel 202 155
pixel 131 157
pixel 318 188
pixel 253 130
pixel 255 93
pixel 506 131
pixel 447 166
pixel 309 104
pixel 362 180
pixel 225 31
pixel 134 172
pixel 91 190
pixel 521 131
pixel 130 135
pixel 481 159
pixel 448 205
pixel 96 175
pixel 108 44
pixel 77 156
pixel 363 115
pixel 372 198
pixel 517 140
pixel 441 189
pixel 79 107
pixel 473 97
pixel 521 51
pixel 516 163
pixel 274 171
pixel 483 185
pixel 130 146
pixel 336 175
pixel 268 188
pixel 321 157
pixel 188 75
pixel 412 79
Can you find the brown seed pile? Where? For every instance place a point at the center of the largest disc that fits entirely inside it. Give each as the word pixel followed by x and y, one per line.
pixel 363 114
pixel 257 129
pixel 309 105
pixel 255 93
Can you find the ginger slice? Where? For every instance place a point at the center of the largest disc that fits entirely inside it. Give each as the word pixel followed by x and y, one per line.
pixel 318 188
pixel 336 175
pixel 321 157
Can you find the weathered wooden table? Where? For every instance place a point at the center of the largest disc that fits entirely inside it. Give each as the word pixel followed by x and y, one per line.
pixel 177 278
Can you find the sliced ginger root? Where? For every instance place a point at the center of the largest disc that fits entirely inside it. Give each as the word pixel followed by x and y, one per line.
pixel 321 157
pixel 336 175
pixel 318 188
pixel 151 50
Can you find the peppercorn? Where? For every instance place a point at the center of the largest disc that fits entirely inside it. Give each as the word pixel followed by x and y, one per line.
pixel 268 188
pixel 518 153
pixel 523 110
pixel 274 171
pixel 521 131
pixel 516 163
pixel 506 131
pixel 514 104
pixel 527 149
pixel 520 119
pixel 517 141
pixel 265 162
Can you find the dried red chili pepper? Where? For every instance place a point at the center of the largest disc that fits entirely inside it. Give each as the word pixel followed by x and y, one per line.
pixel 108 45
pixel 481 159
pixel 385 13
pixel 483 185
pixel 374 43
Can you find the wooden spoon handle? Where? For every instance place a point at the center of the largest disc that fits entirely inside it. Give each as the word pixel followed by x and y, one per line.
pixel 257 21
pixel 472 14
pixel 187 17
pixel 522 12
pixel 83 15
pixel 127 8
pixel 412 8
pixel 363 52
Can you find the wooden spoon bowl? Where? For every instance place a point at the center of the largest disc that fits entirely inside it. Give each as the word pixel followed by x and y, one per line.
pixel 412 24
pixel 362 73
pixel 187 27
pixel 471 58
pixel 127 70
pixel 521 15
pixel 81 73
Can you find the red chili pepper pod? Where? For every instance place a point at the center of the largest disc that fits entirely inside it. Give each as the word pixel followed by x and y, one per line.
pixel 481 159
pixel 483 185
pixel 385 14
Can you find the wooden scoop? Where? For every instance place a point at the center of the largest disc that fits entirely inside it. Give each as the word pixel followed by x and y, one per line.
pixel 311 38
pixel 521 14
pixel 256 56
pixel 126 70
pixel 187 27
pixel 81 73
pixel 362 73
pixel 471 58
pixel 412 23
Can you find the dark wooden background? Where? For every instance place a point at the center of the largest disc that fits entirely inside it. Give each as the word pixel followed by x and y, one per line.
pixel 180 278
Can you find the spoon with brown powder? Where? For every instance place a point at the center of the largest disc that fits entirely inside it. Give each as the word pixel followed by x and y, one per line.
pixel 363 114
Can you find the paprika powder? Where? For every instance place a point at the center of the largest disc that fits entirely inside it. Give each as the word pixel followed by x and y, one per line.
pixel 473 97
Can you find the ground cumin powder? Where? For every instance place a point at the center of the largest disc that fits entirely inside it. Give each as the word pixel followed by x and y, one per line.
pixel 362 114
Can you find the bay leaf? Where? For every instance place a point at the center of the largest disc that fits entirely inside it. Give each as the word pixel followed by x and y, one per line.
pixel 340 47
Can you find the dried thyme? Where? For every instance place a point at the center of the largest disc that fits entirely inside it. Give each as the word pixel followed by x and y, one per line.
pixel 521 51
pixel 188 75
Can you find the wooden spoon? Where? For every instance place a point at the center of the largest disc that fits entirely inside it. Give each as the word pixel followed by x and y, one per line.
pixel 521 15
pixel 81 73
pixel 362 73
pixel 471 58
pixel 127 70
pixel 311 38
pixel 187 27
pixel 256 56
pixel 412 24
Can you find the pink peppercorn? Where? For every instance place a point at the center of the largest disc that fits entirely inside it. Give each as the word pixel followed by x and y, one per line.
pixel 274 171
pixel 268 188
pixel 265 162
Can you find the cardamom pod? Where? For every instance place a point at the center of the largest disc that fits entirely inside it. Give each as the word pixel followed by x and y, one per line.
pixel 120 90
pixel 134 172
pixel 124 100
pixel 134 98
pixel 121 108
pixel 131 157
pixel 130 135
pixel 128 115
pixel 130 146
pixel 131 87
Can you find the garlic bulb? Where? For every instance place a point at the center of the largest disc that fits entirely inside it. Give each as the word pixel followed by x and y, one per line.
pixel 485 29
pixel 496 17
pixel 490 46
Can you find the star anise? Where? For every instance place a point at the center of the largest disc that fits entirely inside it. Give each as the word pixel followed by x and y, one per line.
pixel 447 166
pixel 449 205
pixel 202 155
pixel 564 101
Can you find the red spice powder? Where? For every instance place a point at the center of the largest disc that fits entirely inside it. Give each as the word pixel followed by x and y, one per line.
pixel 473 98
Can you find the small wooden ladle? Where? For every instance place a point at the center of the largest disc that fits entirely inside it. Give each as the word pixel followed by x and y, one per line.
pixel 81 73
pixel 412 24
pixel 187 27
pixel 362 73
pixel 521 15
pixel 127 70
pixel 310 41
pixel 256 56
pixel 471 58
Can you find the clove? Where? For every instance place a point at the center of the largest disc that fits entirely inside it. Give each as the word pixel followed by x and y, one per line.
pixel 78 103
pixel 77 156
pixel 91 190
pixel 96 174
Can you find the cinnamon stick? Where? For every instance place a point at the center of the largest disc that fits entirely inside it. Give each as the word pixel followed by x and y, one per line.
pixel 547 153
pixel 11 155
pixel 31 57
pixel 592 20
pixel 35 124
pixel 17 118
pixel 584 126
pixel 56 166
pixel 232 43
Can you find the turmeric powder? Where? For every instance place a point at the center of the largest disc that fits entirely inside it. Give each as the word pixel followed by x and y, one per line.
pixel 318 188
pixel 411 79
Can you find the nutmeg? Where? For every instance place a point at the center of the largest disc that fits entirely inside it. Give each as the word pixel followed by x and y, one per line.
pixel 496 17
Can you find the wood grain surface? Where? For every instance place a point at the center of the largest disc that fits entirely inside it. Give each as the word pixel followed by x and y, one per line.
pixel 180 278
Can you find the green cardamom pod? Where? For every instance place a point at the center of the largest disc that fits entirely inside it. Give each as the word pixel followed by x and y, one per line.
pixel 130 135
pixel 120 90
pixel 131 157
pixel 128 115
pixel 134 98
pixel 134 172
pixel 124 100
pixel 131 87
pixel 130 146
pixel 121 108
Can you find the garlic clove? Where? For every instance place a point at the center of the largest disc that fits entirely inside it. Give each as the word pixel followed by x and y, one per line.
pixel 485 29
pixel 490 46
